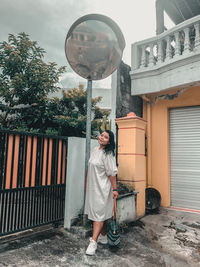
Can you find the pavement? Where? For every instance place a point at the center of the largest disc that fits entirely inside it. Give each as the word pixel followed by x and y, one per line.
pixel 169 238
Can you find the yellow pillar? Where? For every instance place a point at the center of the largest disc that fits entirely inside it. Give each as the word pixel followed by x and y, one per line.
pixel 131 156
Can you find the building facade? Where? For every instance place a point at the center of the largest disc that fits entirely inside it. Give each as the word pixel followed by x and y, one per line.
pixel 165 72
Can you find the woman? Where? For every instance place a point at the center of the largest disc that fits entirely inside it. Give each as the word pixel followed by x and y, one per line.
pixel 101 188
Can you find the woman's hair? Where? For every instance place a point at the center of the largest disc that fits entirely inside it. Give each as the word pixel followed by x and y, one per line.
pixel 110 147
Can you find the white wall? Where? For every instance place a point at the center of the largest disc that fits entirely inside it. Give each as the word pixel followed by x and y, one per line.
pixel 113 102
pixel 105 102
pixel 75 178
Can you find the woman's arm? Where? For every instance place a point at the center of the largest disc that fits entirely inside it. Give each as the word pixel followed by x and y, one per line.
pixel 114 185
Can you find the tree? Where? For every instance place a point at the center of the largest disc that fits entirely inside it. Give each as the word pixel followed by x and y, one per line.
pixel 25 82
pixel 69 113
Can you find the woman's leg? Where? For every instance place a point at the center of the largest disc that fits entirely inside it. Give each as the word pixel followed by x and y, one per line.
pixel 104 228
pixel 97 227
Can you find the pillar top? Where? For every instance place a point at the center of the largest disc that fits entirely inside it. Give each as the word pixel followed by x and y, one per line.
pixel 130 115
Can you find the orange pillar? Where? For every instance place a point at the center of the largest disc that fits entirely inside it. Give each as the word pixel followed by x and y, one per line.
pixel 131 156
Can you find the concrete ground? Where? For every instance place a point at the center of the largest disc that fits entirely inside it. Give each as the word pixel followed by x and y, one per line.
pixel 170 238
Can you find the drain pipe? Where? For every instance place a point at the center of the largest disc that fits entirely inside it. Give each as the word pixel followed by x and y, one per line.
pixel 149 146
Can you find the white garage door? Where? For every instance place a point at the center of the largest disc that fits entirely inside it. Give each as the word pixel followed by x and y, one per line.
pixel 185 157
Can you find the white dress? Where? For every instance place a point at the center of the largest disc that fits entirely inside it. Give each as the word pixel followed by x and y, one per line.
pixel 99 200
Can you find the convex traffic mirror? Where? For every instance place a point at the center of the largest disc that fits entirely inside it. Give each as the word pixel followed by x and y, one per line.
pixel 94 46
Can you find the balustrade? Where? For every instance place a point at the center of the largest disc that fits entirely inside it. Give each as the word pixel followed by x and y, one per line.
pixel 182 40
pixel 151 55
pixel 168 48
pixel 197 35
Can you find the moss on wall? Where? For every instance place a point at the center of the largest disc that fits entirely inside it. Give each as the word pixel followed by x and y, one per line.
pixel 126 103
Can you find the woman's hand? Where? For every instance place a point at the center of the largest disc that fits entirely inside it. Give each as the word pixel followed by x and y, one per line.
pixel 115 194
pixel 114 186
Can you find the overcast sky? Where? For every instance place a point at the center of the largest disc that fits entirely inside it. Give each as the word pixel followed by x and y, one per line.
pixel 48 21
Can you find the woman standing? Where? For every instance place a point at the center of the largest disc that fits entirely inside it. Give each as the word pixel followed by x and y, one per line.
pixel 101 188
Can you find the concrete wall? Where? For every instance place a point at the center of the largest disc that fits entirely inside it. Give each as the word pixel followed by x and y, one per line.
pixel 158 160
pixel 126 103
pixel 75 178
pixel 180 72
pixel 131 157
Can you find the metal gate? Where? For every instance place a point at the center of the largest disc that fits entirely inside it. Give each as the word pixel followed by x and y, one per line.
pixel 185 157
pixel 32 180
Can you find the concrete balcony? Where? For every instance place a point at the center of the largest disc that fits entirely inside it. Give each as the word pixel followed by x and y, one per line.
pixel 168 60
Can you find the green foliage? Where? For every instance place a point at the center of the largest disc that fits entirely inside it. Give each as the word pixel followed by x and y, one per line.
pixel 70 113
pixel 104 125
pixel 25 83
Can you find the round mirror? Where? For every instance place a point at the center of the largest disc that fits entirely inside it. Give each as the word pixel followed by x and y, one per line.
pixel 94 46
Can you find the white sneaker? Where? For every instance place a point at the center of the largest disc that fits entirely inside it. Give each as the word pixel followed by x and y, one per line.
pixel 103 239
pixel 91 248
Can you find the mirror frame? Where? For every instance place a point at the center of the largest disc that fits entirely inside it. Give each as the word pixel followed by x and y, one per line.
pixel 108 21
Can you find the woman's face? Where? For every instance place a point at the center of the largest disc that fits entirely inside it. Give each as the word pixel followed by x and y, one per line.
pixel 104 139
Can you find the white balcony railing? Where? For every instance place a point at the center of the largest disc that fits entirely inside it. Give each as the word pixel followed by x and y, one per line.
pixel 178 43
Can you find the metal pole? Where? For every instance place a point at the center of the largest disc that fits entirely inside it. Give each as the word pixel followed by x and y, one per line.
pixel 88 123
pixel 88 136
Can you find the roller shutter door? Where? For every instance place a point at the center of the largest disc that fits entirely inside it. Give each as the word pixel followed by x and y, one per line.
pixel 185 157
